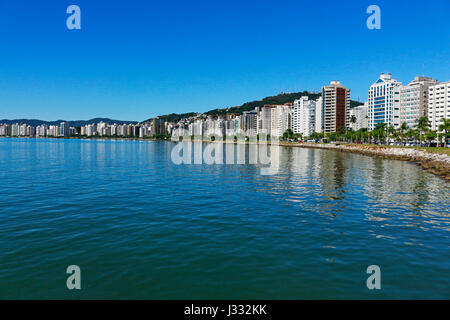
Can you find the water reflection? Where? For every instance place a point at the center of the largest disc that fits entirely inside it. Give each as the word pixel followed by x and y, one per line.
pixel 111 204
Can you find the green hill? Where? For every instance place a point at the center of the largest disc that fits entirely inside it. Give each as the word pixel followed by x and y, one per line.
pixel 175 117
pixel 278 99
pixel 248 106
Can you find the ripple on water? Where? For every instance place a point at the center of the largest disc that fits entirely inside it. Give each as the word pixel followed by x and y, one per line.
pixel 142 227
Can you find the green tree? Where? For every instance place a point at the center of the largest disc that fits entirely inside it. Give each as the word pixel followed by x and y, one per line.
pixel 441 137
pixel 422 125
pixel 391 132
pixel 430 136
pixel 445 126
pixel 380 132
pixel 353 119
pixel 402 131
pixel 413 134
pixel 288 134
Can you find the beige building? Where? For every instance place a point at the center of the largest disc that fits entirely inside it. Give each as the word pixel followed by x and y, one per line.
pixel 336 107
pixel 414 100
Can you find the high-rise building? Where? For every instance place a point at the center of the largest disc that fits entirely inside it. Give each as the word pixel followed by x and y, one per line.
pixel 384 102
pixel 5 130
pixel 318 116
pixel 264 120
pixel 414 100
pixel 304 116
pixel 438 104
pixel 281 120
pixel 157 125
pixel 250 123
pixel 335 106
pixel 236 124
pixel 64 129
pixel 41 131
pixel 296 114
pixel 15 130
pixel 90 130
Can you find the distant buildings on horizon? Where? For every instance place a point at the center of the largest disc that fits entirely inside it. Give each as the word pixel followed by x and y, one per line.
pixel 151 128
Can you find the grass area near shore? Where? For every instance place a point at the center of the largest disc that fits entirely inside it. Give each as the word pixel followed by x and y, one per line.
pixel 439 150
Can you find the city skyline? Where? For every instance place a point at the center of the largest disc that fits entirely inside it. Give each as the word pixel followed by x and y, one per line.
pixel 164 61
pixel 319 92
pixel 423 103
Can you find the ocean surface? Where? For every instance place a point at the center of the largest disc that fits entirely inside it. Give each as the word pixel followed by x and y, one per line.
pixel 141 227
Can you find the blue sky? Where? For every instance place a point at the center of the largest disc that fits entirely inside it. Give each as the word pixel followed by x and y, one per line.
pixel 133 60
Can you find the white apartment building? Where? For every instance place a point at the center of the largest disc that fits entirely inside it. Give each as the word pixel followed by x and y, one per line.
pixel 142 132
pixel 41 131
pixel 264 120
pixel 438 104
pixel 318 116
pixel 304 116
pixel 5 130
pixel 250 123
pixel 236 124
pixel 384 102
pixel 414 100
pixel 361 115
pixel 281 120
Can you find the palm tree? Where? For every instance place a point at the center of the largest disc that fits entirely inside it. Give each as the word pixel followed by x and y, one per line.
pixel 441 136
pixel 288 134
pixel 445 126
pixel 380 130
pixel 353 119
pixel 430 136
pixel 422 124
pixel 403 129
pixel 411 133
pixel 366 136
pixel 363 134
pixel 391 131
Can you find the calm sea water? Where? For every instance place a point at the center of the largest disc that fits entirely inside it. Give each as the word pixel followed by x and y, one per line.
pixel 142 227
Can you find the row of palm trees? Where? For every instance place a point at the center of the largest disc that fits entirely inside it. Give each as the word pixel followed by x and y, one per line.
pixel 384 134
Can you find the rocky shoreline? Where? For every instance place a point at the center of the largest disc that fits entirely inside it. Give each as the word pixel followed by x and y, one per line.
pixel 438 164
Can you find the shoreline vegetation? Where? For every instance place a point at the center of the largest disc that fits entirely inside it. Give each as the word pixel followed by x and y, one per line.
pixel 432 159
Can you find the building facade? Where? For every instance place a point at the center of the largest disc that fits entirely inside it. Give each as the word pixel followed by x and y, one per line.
pixel 438 104
pixel 414 100
pixel 335 106
pixel 384 102
pixel 304 116
pixel 281 120
pixel 318 116
pixel 361 117
pixel 264 120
